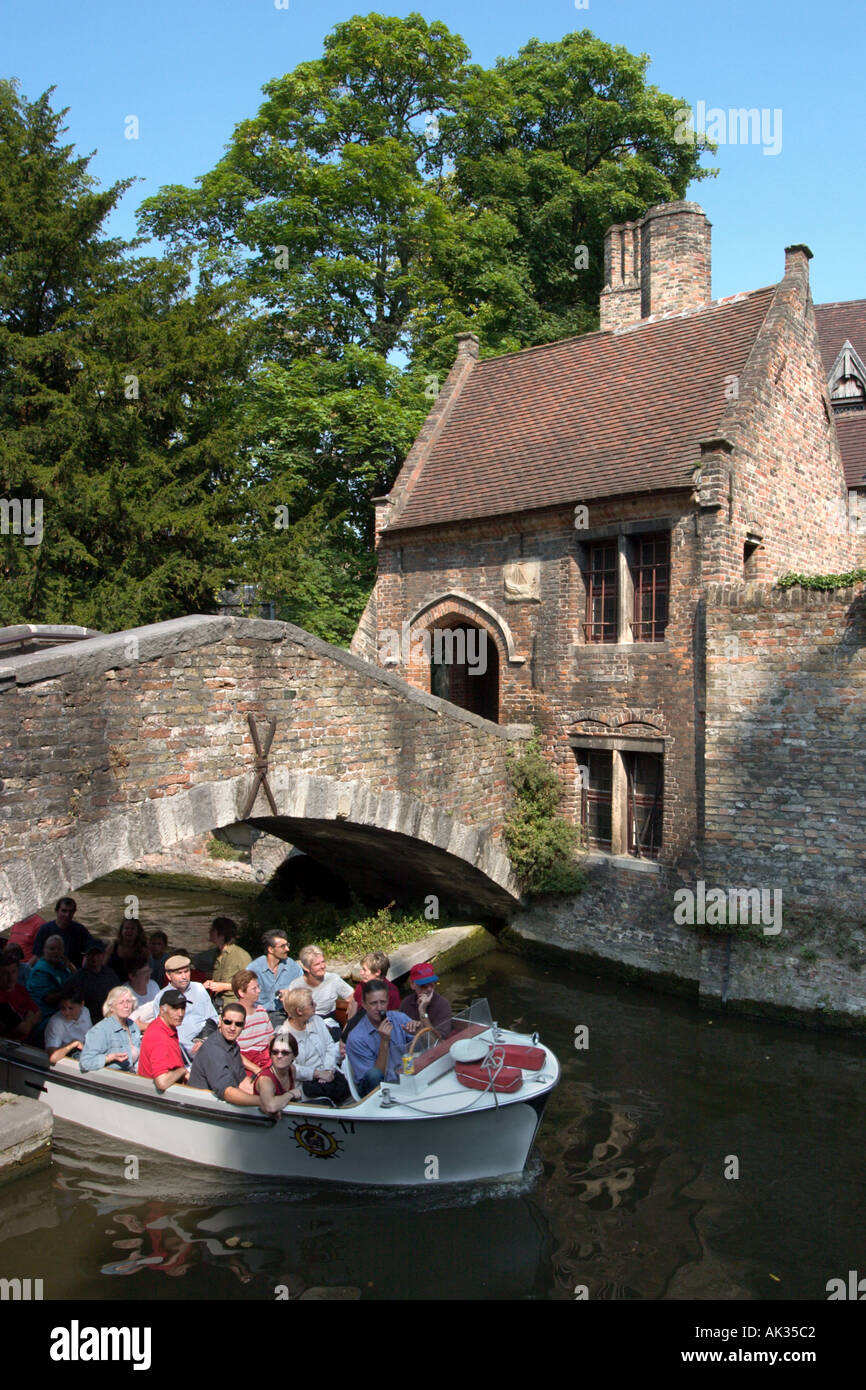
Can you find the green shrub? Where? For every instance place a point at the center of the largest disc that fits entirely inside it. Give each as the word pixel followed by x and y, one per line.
pixel 218 849
pixel 540 843
pixel 349 932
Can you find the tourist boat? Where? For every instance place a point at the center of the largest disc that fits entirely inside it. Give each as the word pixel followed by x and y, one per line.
pixel 468 1108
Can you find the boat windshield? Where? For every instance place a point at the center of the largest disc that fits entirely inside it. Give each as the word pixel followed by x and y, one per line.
pixel 477 1012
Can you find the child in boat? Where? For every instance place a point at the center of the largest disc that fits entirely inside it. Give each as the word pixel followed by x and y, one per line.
pixel 375 966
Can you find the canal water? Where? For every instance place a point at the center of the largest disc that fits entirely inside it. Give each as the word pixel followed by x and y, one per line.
pixel 684 1155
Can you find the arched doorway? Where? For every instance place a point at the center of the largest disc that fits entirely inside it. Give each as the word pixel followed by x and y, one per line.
pixel 464 667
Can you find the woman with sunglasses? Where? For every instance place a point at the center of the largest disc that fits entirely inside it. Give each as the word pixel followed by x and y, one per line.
pixel 275 1085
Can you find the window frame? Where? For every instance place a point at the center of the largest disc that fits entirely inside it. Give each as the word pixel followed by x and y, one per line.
pixel 622 753
pixel 655 589
pixel 628 586
pixel 594 632
pixel 637 801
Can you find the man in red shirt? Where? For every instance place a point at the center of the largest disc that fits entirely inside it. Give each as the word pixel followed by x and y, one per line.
pixel 161 1056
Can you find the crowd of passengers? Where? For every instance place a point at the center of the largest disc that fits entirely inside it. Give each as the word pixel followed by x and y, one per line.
pixel 260 1032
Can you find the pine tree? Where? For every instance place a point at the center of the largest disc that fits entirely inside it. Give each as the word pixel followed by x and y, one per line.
pixel 121 411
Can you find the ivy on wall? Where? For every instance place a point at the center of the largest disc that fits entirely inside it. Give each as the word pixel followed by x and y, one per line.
pixel 822 581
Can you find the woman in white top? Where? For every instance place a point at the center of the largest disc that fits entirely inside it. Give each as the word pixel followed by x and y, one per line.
pixel 145 989
pixel 319 1055
pixel 326 988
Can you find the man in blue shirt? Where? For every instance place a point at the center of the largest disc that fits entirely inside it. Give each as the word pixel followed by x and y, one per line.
pixel 375 1046
pixel 198 1011
pixel 274 972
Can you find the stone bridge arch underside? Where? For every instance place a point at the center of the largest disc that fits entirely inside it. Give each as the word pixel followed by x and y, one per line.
pixel 121 746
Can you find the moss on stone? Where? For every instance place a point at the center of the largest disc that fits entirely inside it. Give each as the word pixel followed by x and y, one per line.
pixel 231 887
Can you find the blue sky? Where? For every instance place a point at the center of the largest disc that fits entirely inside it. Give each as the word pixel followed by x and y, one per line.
pixel 191 69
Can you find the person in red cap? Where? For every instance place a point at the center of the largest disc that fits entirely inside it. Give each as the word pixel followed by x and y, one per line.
pixel 424 1003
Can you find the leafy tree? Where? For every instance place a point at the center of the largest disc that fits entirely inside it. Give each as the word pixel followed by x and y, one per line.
pixel 324 210
pixel 548 149
pixel 120 400
pixel 335 433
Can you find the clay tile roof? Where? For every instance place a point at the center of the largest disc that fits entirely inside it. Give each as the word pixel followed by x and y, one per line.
pixel 594 416
pixel 851 430
pixel 838 322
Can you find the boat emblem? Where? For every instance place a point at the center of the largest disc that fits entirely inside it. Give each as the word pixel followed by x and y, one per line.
pixel 317 1141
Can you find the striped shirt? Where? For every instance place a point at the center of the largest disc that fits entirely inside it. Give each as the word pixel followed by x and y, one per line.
pixel 257 1033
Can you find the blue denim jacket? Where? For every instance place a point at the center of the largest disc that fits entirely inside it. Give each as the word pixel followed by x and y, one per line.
pixel 110 1036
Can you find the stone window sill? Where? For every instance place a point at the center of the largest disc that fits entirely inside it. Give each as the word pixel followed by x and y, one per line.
pixel 623 861
pixel 617 648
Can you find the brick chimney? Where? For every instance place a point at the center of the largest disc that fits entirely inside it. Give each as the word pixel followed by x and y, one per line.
pixel 659 265
pixel 620 298
pixel 797 258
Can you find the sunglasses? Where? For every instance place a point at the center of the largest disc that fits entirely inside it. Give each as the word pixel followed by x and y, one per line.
pixel 233 1022
pixel 281 1052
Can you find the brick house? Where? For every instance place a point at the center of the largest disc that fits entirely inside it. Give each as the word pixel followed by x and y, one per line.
pixel 546 552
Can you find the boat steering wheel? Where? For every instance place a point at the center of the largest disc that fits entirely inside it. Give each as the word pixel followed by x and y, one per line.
pixel 428 1028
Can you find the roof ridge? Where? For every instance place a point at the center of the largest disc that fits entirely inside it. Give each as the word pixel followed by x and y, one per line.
pixel 628 328
pixel 693 311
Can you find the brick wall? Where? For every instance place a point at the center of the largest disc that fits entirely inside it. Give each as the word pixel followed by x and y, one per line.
pixel 785 772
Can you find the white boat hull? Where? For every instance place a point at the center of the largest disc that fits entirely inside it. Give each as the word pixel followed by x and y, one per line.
pixel 443 1132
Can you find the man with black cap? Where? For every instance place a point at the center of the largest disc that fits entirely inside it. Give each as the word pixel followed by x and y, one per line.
pixel 218 1065
pixel 161 1055
pixel 94 979
pixel 424 1003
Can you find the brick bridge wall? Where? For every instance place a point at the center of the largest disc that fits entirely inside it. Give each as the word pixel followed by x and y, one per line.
pixel 120 746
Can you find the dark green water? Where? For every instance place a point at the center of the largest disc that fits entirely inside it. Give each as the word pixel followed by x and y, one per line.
pixel 626 1192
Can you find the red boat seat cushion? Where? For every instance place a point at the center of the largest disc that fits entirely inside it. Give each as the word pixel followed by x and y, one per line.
pixel 477 1077
pixel 519 1055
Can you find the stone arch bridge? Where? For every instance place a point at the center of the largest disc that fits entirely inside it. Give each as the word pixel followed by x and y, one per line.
pixel 122 745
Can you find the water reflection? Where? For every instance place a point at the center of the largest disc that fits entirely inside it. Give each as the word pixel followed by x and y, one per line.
pixel 225 1238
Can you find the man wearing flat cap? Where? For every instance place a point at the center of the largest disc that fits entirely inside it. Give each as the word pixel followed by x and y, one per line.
pixel 424 1003
pixel 199 1010
pixel 161 1056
